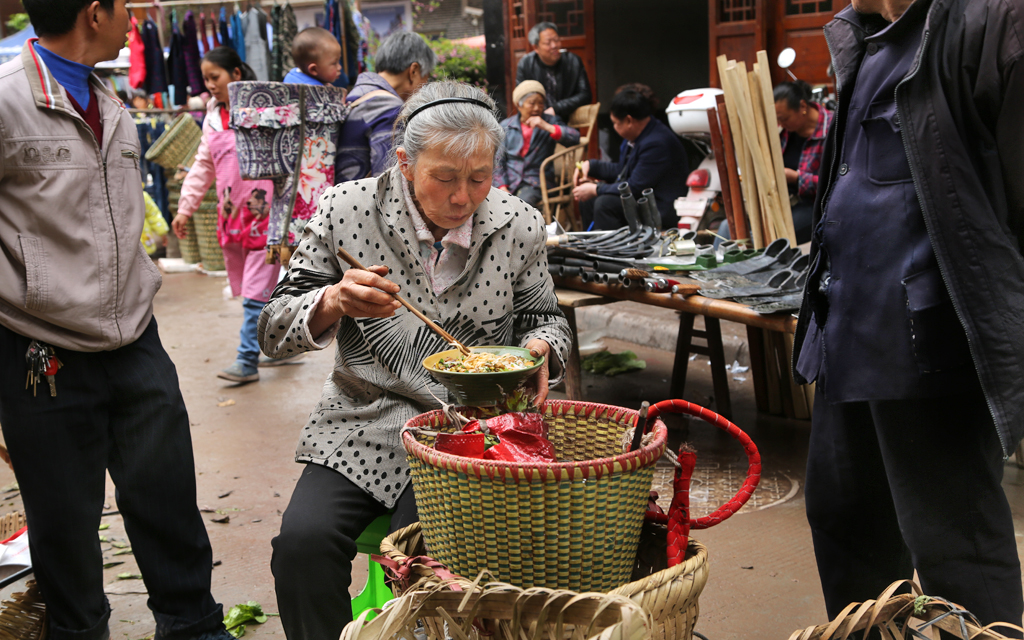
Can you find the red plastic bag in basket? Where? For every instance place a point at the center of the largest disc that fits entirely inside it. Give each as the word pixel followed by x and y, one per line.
pixel 523 436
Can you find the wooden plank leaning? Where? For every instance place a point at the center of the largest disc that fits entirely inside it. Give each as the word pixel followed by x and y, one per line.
pixel 780 173
pixel 748 184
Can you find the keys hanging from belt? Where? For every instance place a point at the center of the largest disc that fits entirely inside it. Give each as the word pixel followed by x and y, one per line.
pixel 42 363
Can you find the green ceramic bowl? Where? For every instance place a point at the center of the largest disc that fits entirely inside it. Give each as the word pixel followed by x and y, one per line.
pixel 482 389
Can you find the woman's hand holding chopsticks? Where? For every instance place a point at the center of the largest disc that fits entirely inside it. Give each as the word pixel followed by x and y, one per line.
pixel 360 294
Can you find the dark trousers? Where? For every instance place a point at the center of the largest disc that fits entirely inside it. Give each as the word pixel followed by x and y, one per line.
pixel 120 411
pixel 898 485
pixel 312 561
pixel 604 211
pixel 530 195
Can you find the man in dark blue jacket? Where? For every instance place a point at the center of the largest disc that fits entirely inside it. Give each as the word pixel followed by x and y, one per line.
pixel 911 323
pixel 651 156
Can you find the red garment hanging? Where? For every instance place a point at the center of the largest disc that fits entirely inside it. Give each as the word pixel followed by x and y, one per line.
pixel 137 57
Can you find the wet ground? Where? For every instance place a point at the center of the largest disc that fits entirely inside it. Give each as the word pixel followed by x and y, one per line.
pixel 763 581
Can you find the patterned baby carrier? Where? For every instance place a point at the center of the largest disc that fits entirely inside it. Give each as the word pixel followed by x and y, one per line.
pixel 288 133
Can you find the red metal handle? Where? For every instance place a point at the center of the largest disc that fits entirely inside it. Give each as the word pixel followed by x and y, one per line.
pixel 754 458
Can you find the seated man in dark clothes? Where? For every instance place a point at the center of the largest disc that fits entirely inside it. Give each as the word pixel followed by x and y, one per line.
pixel 561 72
pixel 651 155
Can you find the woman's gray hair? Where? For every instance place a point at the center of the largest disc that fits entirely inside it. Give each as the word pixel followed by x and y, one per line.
pixel 523 99
pixel 460 128
pixel 534 36
pixel 401 49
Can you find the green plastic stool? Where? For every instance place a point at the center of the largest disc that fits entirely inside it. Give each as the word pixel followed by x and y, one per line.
pixel 376 593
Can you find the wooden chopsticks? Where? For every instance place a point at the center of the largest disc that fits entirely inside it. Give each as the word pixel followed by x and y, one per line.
pixel 347 257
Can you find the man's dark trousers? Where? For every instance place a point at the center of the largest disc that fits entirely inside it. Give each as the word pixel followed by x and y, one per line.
pixel 120 410
pixel 898 485
pixel 604 211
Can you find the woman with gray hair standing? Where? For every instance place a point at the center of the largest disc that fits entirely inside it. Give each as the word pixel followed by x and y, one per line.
pixel 471 257
pixel 404 62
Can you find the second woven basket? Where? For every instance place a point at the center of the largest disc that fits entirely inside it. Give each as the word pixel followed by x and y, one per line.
pixel 570 525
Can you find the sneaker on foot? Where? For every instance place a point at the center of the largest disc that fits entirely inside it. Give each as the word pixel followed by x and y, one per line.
pixel 240 372
pixel 277 362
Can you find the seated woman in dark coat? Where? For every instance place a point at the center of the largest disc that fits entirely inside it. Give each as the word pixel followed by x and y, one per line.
pixel 530 138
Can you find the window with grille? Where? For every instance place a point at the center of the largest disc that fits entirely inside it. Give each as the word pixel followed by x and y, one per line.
pixel 566 14
pixel 518 19
pixel 737 10
pixel 799 7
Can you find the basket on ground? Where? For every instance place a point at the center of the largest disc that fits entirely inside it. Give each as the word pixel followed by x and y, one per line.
pixel 670 597
pixel 569 525
pixel 178 143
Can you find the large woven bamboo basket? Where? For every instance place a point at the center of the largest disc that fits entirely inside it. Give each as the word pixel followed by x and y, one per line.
pixel 570 525
pixel 205 220
pixel 177 145
pixel 189 245
pixel 907 616
pixel 669 596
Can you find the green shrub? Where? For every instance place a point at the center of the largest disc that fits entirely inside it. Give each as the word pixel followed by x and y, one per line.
pixel 16 23
pixel 457 61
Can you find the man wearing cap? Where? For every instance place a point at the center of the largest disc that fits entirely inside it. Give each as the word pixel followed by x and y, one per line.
pixel 530 138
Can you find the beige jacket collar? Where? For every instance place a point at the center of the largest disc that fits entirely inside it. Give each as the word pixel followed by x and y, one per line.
pixel 48 94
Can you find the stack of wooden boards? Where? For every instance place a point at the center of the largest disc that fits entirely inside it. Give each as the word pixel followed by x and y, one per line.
pixel 746 139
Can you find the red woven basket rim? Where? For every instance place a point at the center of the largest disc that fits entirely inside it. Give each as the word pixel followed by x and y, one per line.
pixel 597 467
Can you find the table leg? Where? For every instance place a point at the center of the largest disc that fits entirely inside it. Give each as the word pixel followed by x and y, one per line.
pixel 573 377
pixel 682 360
pixel 716 352
pixel 755 344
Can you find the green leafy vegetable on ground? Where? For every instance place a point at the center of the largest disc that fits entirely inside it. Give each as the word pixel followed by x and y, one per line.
pixel 239 614
pixel 612 364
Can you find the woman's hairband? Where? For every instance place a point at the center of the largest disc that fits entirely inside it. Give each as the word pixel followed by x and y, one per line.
pixel 434 103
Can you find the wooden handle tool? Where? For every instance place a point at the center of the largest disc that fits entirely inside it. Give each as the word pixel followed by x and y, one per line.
pixel 347 257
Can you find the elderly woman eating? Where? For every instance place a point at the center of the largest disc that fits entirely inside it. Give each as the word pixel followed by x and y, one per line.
pixel 530 138
pixel 468 256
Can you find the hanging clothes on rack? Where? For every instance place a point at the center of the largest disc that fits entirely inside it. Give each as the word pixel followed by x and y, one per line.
pixel 215 29
pixel 156 67
pixel 238 33
pixel 192 57
pixel 136 57
pixel 177 71
pixel 207 38
pixel 225 31
pixel 257 52
pixel 285 30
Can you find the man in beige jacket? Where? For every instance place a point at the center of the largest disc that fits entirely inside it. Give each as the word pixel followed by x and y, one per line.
pixel 76 289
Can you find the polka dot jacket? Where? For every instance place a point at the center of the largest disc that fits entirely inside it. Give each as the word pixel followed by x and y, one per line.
pixel 504 296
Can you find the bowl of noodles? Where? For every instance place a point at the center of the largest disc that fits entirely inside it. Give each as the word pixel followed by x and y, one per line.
pixel 479 379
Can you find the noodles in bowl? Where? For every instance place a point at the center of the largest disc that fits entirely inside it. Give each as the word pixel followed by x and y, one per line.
pixel 479 379
pixel 482 362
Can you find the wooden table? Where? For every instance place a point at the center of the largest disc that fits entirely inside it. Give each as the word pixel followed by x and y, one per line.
pixel 568 301
pixel 713 311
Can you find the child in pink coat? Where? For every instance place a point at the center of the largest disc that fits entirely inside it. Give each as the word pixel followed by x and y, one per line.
pixel 242 209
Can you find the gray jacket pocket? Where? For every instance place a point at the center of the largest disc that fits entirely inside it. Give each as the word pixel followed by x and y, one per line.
pixel 37 285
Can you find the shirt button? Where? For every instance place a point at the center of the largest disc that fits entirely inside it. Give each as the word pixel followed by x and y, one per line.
pixel 872 49
pixel 843 169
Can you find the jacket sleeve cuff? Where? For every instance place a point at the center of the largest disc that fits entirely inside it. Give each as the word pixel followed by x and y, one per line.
pixel 607 189
pixel 557 135
pixel 323 340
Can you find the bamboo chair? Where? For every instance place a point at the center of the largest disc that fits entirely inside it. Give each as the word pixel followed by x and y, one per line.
pixel 557 197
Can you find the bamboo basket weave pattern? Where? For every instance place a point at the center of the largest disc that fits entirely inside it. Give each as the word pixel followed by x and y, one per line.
pixel 670 596
pixel 205 219
pixel 189 245
pixel 571 525
pixel 178 143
